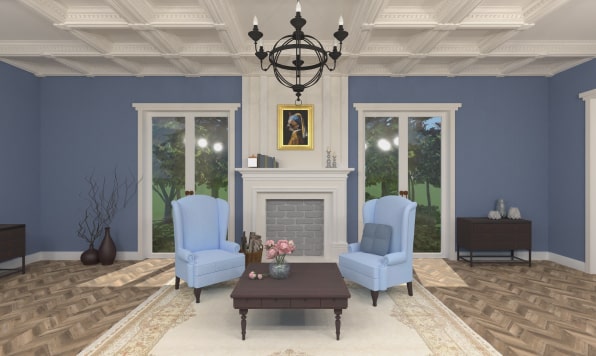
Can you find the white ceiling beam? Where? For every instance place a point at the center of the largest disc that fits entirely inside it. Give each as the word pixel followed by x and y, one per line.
pixel 514 66
pixel 161 40
pixel 455 11
pixel 560 67
pixel 427 40
pixel 50 9
pixel 41 48
pixel 134 11
pixel 98 42
pixel 227 25
pixel 128 65
pixel 490 43
pixel 405 17
pixel 24 65
pixel 186 66
pixel 537 9
pixel 74 65
pixel 364 15
pixel 347 64
pixel 459 66
pixel 242 64
pixel 404 66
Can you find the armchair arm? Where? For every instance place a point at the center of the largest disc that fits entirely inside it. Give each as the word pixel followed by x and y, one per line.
pixel 185 255
pixel 230 246
pixel 354 247
pixel 394 258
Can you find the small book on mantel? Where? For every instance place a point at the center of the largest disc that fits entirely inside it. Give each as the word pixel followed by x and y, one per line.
pixel 259 160
pixel 265 161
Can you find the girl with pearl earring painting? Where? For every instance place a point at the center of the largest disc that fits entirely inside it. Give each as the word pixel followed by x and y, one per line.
pixel 298 131
pixel 295 127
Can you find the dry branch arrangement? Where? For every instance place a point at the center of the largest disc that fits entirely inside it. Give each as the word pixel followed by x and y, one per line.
pixel 104 201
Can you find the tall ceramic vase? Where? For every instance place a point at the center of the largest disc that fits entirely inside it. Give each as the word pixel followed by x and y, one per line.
pixel 500 207
pixel 107 249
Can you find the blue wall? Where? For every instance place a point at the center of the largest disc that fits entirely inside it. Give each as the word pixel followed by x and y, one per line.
pixel 89 125
pixel 19 152
pixel 501 135
pixel 520 139
pixel 567 156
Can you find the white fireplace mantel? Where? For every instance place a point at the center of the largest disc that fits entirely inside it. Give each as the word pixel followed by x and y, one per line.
pixel 329 185
pixel 294 174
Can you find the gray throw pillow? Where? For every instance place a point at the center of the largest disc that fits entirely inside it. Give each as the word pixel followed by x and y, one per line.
pixel 376 239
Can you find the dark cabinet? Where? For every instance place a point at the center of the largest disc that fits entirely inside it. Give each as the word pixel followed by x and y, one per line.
pixel 12 243
pixel 488 236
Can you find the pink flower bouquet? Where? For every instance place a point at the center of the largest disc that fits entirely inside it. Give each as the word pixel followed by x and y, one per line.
pixel 279 249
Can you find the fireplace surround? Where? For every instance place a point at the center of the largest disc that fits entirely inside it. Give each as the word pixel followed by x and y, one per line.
pixel 328 185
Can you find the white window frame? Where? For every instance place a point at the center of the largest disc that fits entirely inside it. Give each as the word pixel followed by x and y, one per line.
pixel 146 111
pixel 589 97
pixel 447 112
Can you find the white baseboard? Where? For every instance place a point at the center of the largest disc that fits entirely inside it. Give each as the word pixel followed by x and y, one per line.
pixel 566 261
pixel 553 257
pixel 136 256
pixel 549 256
pixel 63 256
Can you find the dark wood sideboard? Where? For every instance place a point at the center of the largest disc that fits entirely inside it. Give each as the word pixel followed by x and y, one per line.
pixel 12 244
pixel 489 236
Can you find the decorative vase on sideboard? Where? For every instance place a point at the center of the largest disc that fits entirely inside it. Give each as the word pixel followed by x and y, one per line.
pixel 90 256
pixel 500 207
pixel 107 249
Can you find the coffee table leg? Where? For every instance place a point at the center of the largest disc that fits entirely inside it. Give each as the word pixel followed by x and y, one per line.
pixel 243 322
pixel 337 322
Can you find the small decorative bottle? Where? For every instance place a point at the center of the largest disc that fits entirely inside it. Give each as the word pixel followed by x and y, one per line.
pixel 500 207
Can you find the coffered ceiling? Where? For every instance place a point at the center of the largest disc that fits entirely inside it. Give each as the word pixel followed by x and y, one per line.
pixel 209 37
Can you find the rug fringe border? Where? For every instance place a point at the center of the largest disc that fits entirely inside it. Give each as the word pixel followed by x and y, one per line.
pixel 116 328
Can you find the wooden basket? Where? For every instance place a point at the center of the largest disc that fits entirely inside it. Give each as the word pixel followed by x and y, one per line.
pixel 252 257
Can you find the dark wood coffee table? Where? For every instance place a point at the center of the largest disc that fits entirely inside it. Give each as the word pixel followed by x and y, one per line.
pixel 309 286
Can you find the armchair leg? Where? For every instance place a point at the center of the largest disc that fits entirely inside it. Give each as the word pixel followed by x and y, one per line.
pixel 410 291
pixel 198 295
pixel 177 284
pixel 375 295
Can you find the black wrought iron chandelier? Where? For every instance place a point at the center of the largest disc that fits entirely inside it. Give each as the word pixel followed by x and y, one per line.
pixel 307 51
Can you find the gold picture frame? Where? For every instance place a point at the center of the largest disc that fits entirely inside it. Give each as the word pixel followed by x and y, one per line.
pixel 295 127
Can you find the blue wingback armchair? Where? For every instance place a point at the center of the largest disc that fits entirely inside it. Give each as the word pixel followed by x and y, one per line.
pixel 376 270
pixel 203 255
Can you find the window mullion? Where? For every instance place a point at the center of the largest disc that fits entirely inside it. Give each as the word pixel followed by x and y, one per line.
pixel 190 146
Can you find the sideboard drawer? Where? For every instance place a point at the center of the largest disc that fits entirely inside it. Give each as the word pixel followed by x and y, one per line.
pixel 502 236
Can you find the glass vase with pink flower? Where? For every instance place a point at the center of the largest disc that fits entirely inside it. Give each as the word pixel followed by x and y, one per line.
pixel 277 250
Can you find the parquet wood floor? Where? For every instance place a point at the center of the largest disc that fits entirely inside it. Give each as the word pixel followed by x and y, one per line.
pixel 546 309
pixel 60 307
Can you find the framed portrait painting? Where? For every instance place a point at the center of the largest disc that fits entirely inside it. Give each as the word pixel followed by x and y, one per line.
pixel 295 127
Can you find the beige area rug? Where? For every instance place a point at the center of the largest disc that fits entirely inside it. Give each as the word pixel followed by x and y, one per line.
pixel 170 323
